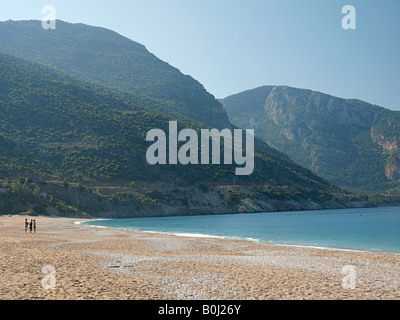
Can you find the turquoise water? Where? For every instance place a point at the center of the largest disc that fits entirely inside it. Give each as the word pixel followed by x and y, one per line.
pixel 368 229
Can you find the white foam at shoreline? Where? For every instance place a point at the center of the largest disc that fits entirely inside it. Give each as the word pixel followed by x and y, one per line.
pixel 81 222
pixel 199 235
pixel 178 234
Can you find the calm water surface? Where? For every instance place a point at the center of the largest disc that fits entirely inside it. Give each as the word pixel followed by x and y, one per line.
pixel 369 229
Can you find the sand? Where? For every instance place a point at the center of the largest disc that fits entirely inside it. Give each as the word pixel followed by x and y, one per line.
pixel 93 263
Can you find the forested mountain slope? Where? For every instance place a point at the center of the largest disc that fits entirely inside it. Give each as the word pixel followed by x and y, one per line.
pixel 349 142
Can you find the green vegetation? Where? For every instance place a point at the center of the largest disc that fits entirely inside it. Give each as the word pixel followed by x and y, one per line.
pixel 22 195
pixel 105 58
pixel 350 143
pixel 53 127
pixel 57 128
pixel 235 196
pixel 67 130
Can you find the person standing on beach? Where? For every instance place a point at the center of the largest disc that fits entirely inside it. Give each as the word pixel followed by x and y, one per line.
pixel 34 225
pixel 26 225
pixel 30 226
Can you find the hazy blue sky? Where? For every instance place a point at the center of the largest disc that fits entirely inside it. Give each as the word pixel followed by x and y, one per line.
pixel 231 46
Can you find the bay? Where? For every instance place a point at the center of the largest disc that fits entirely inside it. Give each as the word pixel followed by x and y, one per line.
pixel 366 229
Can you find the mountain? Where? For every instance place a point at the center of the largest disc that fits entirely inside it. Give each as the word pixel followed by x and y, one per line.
pixel 71 145
pixel 104 57
pixel 349 142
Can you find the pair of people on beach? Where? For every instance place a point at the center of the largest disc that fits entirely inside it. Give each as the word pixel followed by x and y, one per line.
pixel 31 225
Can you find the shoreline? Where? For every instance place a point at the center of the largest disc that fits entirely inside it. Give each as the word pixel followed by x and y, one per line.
pixel 201 235
pixel 110 263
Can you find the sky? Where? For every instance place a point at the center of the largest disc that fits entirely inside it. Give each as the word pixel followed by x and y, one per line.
pixel 234 45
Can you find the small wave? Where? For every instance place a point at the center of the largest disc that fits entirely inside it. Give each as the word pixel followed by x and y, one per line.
pixel 178 234
pixel 252 239
pixel 320 247
pixel 87 222
pixel 79 222
pixel 182 234
pixel 197 235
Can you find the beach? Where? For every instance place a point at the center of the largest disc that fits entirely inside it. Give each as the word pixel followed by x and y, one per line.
pixel 92 263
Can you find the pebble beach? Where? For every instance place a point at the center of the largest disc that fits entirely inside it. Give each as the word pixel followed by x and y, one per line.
pixel 92 263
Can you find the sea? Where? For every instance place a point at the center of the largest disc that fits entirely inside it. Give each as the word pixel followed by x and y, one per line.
pixel 362 229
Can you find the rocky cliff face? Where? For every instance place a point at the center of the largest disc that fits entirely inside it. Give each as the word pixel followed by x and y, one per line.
pixel 392 169
pixel 167 199
pixel 391 142
pixel 385 132
pixel 349 142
